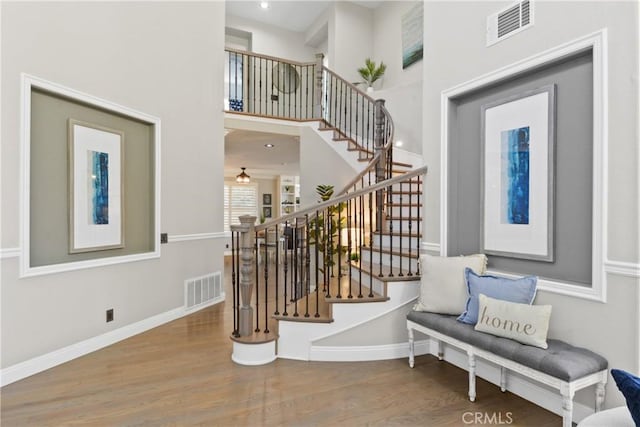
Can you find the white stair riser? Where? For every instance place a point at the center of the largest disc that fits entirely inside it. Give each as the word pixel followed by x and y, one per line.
pixel 394 241
pixel 406 198
pixel 378 285
pixel 396 224
pixel 395 260
pixel 413 211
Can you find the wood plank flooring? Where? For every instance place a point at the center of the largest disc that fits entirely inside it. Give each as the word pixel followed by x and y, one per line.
pixel 181 374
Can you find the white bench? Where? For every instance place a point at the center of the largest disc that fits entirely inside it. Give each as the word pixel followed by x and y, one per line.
pixel 561 366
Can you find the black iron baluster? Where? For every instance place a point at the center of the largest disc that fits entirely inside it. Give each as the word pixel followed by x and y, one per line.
pixel 234 248
pixel 277 287
pixel 307 264
pixel 339 229
pixel 317 252
pixel 401 227
pixel 360 228
pixel 285 268
pixel 349 242
pixel 419 220
pixel 370 240
pixel 266 282
pixel 295 268
pixel 410 208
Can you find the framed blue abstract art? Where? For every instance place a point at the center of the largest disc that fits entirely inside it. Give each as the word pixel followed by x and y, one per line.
pixel 517 189
pixel 95 187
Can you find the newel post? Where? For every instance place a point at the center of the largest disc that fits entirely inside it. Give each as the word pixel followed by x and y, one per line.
pixel 317 90
pixel 247 245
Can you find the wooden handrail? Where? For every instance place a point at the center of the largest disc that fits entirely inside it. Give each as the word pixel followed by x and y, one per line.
pixel 271 58
pixel 343 198
pixel 374 160
pixel 351 85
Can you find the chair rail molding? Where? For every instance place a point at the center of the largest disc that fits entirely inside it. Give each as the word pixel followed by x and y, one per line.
pixel 173 238
pixel 596 43
pixel 28 83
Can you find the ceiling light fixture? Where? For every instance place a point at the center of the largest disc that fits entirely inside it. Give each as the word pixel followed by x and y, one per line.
pixel 399 143
pixel 269 145
pixel 243 178
pixel 264 4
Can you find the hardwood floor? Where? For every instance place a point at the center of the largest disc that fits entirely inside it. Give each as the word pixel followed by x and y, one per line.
pixel 181 373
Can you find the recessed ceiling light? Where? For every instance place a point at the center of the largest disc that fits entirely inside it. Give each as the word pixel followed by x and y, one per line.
pixel 269 145
pixel 264 4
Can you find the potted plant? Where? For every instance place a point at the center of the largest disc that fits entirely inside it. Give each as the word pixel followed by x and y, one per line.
pixel 370 72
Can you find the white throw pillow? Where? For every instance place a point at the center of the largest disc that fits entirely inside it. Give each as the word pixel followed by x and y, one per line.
pixel 443 288
pixel 524 323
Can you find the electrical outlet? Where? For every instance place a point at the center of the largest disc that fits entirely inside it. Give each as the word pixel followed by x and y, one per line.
pixel 227 246
pixel 164 238
pixel 110 315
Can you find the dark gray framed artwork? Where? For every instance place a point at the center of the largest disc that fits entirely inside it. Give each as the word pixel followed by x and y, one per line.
pixel 266 199
pixel 266 211
pixel 518 168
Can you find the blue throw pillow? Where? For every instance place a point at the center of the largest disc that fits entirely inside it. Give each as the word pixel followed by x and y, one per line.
pixel 521 291
pixel 629 385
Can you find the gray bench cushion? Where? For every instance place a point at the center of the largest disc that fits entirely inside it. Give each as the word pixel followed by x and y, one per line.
pixel 560 360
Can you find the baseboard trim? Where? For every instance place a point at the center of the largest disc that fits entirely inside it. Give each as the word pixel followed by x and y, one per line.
pixel 38 364
pixel 366 352
pixel 527 389
pixel 431 247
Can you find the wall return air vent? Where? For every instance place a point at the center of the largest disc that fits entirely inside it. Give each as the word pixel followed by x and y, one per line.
pixel 509 21
pixel 203 291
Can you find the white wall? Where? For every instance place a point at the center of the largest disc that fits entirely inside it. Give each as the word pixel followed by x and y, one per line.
pixel 387 44
pixel 401 89
pixel 350 39
pixel 273 41
pixel 165 59
pixel 320 164
pixel 453 57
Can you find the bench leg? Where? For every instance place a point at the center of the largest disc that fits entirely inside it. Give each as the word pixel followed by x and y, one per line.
pixel 440 350
pixel 503 379
pixel 599 396
pixel 567 405
pixel 472 377
pixel 411 351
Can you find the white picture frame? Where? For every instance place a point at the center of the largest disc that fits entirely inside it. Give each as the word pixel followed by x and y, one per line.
pixel 96 187
pixel 517 186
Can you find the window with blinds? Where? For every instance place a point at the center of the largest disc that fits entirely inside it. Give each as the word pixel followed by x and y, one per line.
pixel 239 199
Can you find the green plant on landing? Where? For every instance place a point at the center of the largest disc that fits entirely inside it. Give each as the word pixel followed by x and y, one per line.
pixel 355 257
pixel 326 227
pixel 370 73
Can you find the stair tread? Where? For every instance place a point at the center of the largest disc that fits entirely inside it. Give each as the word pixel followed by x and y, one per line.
pixel 324 310
pixel 404 218
pixel 343 282
pixel 260 337
pixel 404 204
pixel 396 271
pixel 403 234
pixel 394 251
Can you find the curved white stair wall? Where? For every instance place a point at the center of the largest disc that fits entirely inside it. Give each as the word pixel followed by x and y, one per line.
pixel 340 147
pixel 297 338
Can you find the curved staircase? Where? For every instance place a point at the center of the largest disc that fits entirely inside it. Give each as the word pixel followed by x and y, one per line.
pixel 341 263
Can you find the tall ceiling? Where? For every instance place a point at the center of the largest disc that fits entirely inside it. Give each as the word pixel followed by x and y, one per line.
pixel 289 15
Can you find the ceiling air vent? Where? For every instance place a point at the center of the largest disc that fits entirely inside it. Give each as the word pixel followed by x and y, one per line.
pixel 509 21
